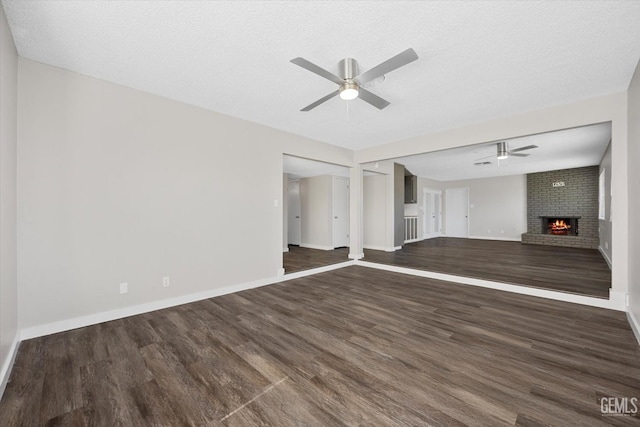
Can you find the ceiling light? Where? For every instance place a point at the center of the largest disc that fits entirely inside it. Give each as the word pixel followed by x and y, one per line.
pixel 349 90
pixel 502 151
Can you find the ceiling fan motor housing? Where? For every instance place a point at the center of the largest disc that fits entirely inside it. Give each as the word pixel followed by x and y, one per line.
pixel 348 68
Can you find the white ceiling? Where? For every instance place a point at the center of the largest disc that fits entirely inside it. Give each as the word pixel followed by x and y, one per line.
pixel 478 60
pixel 565 149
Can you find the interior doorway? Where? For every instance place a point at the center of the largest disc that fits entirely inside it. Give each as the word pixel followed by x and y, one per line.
pixel 293 213
pixel 316 203
pixel 432 209
pixel 340 212
pixel 457 212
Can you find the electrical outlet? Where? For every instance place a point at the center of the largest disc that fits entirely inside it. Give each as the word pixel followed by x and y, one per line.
pixel 165 281
pixel 124 288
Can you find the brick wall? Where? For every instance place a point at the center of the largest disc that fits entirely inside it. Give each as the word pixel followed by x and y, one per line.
pixel 579 197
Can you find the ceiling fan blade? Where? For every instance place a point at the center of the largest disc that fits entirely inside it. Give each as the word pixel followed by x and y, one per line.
pixel 372 99
pixel 320 101
pixel 390 64
pixel 486 157
pixel 528 147
pixel 511 154
pixel 310 66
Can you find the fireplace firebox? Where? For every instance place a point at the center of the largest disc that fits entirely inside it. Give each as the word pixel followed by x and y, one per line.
pixel 560 225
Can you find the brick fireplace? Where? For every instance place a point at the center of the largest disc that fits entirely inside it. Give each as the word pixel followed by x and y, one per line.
pixel 562 208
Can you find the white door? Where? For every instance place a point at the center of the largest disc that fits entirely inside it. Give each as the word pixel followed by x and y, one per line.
pixel 432 213
pixel 293 211
pixel 457 212
pixel 340 212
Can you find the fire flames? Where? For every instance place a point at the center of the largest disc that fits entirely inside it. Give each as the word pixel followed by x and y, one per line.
pixel 559 226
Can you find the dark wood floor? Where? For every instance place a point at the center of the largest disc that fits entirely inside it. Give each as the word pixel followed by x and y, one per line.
pixel 574 270
pixel 354 346
pixel 299 259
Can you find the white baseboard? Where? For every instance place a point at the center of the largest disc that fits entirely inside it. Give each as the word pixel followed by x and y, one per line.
pixel 105 316
pixel 376 248
pixel 635 325
pixel 396 248
pixel 7 365
pixel 504 239
pixel 605 256
pixel 317 270
pixel 285 249
pixel 419 239
pixel 612 303
pixel 355 256
pixel 431 236
pixel 312 246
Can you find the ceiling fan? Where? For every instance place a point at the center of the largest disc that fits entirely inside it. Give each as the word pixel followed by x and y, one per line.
pixel 503 153
pixel 350 81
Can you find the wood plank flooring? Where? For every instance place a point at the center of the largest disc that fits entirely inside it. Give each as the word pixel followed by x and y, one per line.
pixel 299 259
pixel 354 346
pixel 574 270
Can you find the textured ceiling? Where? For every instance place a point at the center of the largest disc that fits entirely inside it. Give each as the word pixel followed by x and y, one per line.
pixel 478 60
pixel 565 149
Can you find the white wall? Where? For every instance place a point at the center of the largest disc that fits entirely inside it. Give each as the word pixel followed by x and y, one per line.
pixel 634 199
pixel 8 141
pixel 375 209
pixel 594 110
pixel 117 185
pixel 497 206
pixel 316 208
pixel 605 227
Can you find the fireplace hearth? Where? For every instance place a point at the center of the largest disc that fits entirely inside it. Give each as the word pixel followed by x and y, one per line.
pixel 560 225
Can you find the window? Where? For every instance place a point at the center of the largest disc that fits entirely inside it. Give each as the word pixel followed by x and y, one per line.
pixel 601 196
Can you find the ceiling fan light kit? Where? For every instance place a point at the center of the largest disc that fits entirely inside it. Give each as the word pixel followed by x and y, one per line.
pixel 349 90
pixel 350 81
pixel 502 151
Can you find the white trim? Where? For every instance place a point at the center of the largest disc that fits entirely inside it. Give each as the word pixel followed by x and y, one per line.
pixel 312 246
pixel 613 303
pixel 419 239
pixel 355 256
pixel 92 319
pixel 605 256
pixel 105 316
pixel 311 271
pixel 5 373
pixel 285 249
pixel 396 248
pixel 376 248
pixel 431 236
pixel 635 325
pixel 505 239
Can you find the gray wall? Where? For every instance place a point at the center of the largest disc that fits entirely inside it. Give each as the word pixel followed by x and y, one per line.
pixel 579 197
pixel 497 206
pixel 605 226
pixel 316 212
pixel 118 185
pixel 634 196
pixel 374 211
pixel 8 141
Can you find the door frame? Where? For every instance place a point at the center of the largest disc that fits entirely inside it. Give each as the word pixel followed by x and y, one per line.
pixel 466 213
pixel 431 192
pixel 334 182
